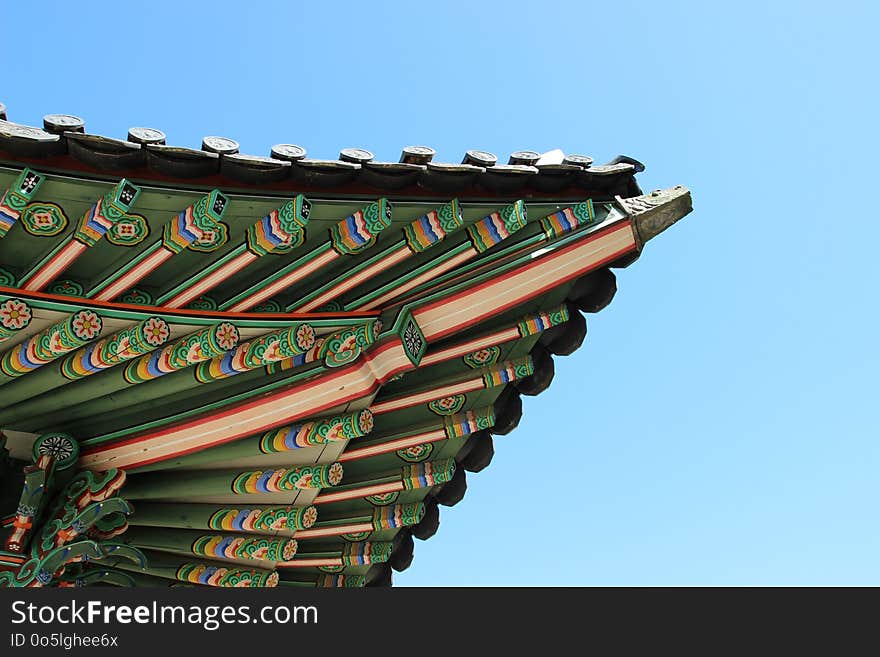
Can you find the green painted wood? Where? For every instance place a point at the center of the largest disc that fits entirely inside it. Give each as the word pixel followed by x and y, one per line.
pixel 47 393
pixel 257 519
pixel 407 245
pixel 76 195
pixel 225 546
pixel 532 236
pixel 107 352
pixel 290 438
pixel 193 570
pixel 291 577
pixel 167 485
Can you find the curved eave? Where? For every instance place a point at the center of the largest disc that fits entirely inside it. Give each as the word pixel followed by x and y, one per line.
pixel 423 315
pixel 92 155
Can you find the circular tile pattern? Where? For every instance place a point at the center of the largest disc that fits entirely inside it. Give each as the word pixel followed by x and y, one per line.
pixel 289 152
pixel 128 231
pixel 146 136
pixel 43 219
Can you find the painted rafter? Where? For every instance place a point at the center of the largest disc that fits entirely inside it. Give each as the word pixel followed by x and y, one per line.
pixel 264 519
pixel 191 349
pixel 17 196
pixel 238 362
pixel 414 477
pixel 290 438
pixel 236 483
pixel 88 359
pixel 335 556
pixel 193 570
pixel 482 236
pixel 183 230
pixel 462 307
pixel 418 236
pixel 350 236
pixel 268 551
pixel 94 224
pixel 382 519
pixel 531 324
pixel 449 394
pixel 548 229
pixel 280 231
pixel 416 439
pixel 330 581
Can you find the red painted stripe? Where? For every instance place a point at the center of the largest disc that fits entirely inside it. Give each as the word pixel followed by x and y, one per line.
pixel 285 281
pixel 364 491
pixel 393 342
pixel 253 404
pixel 212 280
pixel 349 282
pixel 59 262
pixel 182 312
pixel 139 272
pixel 537 262
pixel 336 530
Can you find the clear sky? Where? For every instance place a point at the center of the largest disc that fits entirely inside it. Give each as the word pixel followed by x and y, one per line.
pixel 719 425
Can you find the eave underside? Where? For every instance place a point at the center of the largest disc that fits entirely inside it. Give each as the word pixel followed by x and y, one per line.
pixel 385 396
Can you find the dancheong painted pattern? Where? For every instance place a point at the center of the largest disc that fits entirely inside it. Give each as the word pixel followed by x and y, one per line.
pixel 278 380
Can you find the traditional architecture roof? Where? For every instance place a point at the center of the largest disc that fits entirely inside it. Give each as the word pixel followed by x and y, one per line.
pixel 220 369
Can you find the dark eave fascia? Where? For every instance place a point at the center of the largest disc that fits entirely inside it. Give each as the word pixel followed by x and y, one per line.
pixel 94 156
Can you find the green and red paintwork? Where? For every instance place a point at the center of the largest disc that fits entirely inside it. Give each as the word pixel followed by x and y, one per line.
pixel 285 382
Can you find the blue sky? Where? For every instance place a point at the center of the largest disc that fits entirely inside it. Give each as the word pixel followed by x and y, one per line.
pixel 719 425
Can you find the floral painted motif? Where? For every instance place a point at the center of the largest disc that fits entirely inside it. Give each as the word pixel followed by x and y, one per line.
pixel 67 287
pixel 137 297
pixel 309 517
pixel 365 422
pixel 414 342
pixel 383 499
pixel 156 331
pixel 43 219
pixel 129 230
pixel 212 238
pixel 86 325
pixel 305 336
pixel 14 314
pixel 447 405
pixel 202 303
pixel 416 453
pixel 60 446
pixel 483 357
pixel 227 336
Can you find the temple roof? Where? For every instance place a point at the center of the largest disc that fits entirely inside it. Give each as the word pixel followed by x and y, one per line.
pixel 282 367
pixel 62 143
